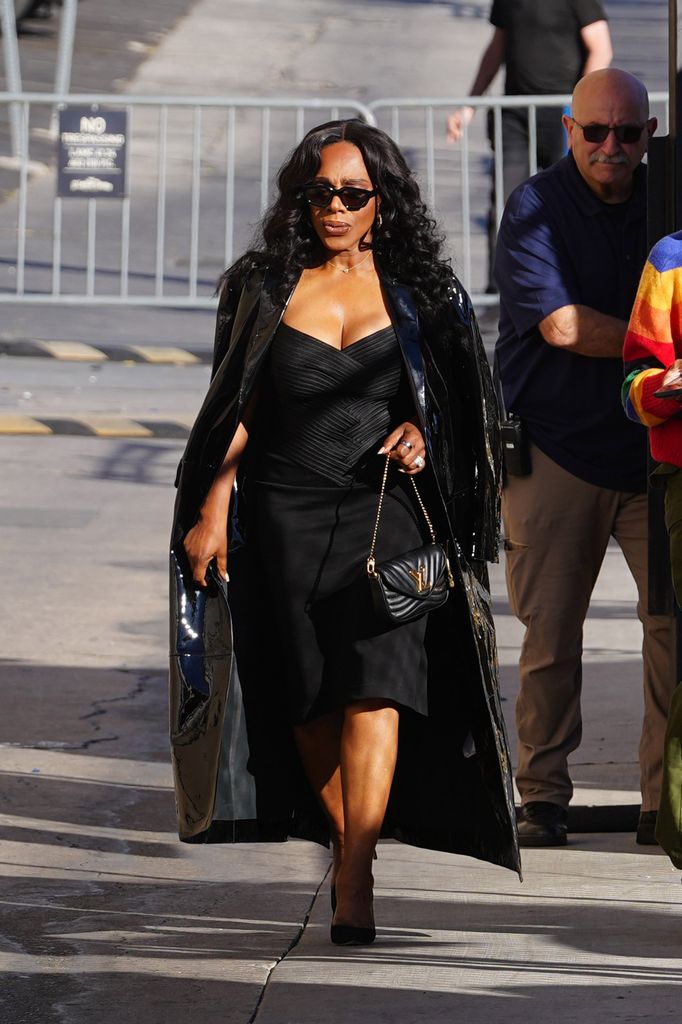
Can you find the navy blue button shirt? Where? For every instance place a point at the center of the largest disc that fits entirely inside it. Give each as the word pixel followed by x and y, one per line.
pixel 559 245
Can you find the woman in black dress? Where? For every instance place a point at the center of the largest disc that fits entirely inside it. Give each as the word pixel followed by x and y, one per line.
pixel 329 401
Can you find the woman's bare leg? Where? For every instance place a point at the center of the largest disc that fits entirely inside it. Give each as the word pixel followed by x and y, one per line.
pixel 349 758
pixel 319 746
pixel 369 747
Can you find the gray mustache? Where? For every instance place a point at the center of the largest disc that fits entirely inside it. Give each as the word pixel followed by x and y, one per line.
pixel 597 159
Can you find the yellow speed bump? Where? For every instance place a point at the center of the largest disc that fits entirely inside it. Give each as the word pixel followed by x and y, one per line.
pixel 76 351
pixel 13 423
pixel 114 426
pixel 157 354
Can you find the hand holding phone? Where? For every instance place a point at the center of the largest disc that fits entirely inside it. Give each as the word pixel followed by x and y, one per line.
pixel 671 386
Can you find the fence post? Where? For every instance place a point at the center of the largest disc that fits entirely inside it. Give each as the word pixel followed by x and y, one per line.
pixel 10 46
pixel 67 35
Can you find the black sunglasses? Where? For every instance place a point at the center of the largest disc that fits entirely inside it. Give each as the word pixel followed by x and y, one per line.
pixel 599 132
pixel 352 198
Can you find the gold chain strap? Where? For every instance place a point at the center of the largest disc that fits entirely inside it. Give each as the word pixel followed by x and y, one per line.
pixel 423 508
pixel 371 560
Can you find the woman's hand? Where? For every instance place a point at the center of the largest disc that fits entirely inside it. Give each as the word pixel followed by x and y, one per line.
pixel 205 541
pixel 407 448
pixel 208 537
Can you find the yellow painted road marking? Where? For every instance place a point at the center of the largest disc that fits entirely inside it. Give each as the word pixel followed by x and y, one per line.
pixel 95 425
pixel 13 423
pixel 114 426
pixel 77 351
pixel 156 354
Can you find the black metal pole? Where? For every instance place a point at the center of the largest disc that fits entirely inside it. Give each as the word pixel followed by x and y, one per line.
pixel 672 68
pixel 674 85
pixel 664 210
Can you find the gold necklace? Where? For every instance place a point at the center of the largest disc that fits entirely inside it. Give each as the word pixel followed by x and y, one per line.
pixel 347 270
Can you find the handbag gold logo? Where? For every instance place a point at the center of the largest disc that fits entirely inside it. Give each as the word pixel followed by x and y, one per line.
pixel 419 577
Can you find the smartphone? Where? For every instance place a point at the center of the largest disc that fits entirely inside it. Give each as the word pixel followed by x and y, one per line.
pixel 667 392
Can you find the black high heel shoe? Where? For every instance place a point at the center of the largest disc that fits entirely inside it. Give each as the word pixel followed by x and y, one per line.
pixel 350 935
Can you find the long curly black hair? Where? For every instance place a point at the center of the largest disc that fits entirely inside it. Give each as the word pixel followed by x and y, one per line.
pixel 405 241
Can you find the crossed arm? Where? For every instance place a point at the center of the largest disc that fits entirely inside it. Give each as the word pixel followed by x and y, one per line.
pixel 585 331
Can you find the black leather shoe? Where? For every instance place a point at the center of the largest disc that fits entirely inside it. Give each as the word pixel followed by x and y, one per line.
pixel 646 828
pixel 541 823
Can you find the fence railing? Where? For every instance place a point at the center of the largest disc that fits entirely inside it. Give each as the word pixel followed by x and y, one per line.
pixel 199 175
pixel 200 172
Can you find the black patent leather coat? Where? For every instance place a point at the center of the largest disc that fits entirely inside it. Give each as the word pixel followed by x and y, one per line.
pixel 237 775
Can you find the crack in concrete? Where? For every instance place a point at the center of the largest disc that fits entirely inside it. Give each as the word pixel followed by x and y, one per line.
pixel 98 710
pixel 292 945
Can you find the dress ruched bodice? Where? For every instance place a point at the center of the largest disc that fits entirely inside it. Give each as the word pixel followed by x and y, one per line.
pixel 315 480
pixel 333 404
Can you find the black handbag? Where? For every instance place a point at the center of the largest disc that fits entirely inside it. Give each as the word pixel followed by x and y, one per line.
pixel 409 585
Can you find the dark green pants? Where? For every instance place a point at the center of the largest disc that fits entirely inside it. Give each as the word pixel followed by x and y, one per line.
pixel 673 521
pixel 669 824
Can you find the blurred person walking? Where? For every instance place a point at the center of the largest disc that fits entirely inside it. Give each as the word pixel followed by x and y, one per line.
pixel 571 247
pixel 652 396
pixel 546 46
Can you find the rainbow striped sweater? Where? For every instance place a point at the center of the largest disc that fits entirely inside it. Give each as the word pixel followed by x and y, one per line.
pixel 652 343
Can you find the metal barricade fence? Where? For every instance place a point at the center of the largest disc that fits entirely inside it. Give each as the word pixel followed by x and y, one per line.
pixel 200 174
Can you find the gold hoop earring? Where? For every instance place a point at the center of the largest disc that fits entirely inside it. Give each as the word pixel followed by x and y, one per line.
pixel 379 220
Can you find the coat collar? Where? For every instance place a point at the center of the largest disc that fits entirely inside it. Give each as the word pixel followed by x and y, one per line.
pixel 268 318
pixel 404 317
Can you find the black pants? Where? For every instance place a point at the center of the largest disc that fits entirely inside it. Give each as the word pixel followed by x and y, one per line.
pixel 551 146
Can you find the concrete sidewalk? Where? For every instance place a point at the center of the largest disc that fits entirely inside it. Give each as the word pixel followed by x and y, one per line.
pixel 105 916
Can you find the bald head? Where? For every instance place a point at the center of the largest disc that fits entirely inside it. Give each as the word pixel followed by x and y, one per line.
pixel 612 86
pixel 605 100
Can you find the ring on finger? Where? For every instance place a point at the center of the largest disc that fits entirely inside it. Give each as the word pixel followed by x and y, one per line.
pixel 419 462
pixel 408 444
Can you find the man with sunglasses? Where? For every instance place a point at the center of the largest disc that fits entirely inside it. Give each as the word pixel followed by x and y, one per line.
pixel 571 248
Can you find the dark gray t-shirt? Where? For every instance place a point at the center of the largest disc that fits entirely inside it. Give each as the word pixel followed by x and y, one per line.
pixel 544 51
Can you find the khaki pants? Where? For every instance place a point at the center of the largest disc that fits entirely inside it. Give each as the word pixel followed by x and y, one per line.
pixel 557 529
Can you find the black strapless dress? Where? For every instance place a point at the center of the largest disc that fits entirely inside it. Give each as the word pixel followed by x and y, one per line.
pixel 314 479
